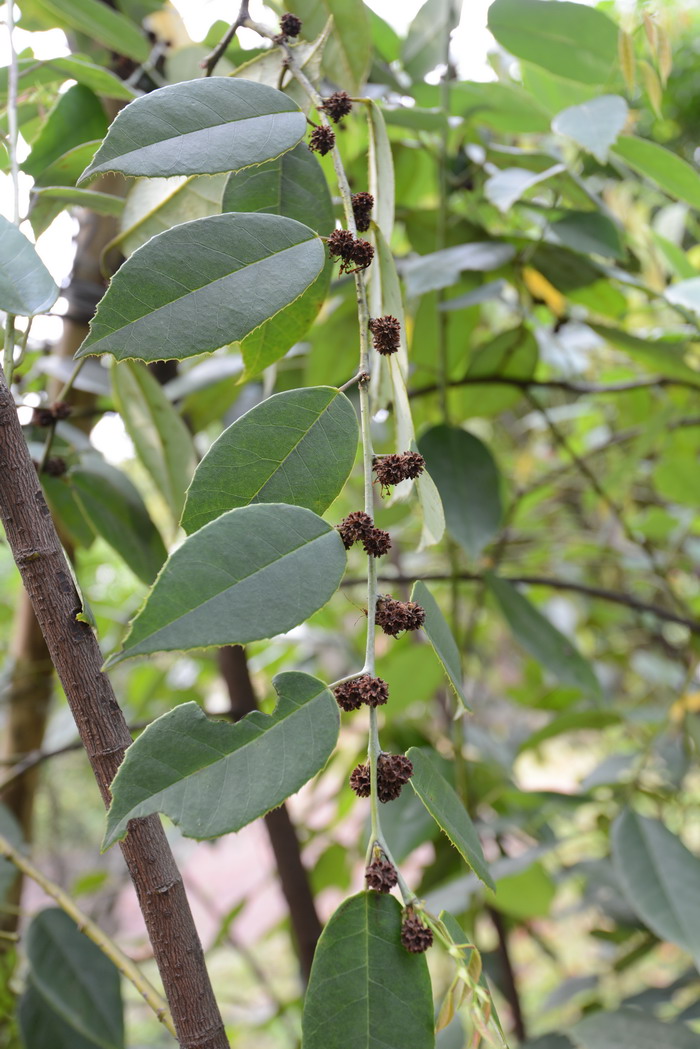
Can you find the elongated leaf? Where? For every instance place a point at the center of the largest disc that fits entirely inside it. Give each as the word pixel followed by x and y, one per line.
pixel 156 204
pixel 230 271
pixel 366 991
pixel 11 830
pixel 74 67
pixel 595 125
pixel 664 356
pixel 162 441
pixel 508 185
pixel 116 512
pixel 253 572
pixel 102 203
pixel 569 39
pixel 65 170
pixel 205 775
pixel 77 117
pixel 26 286
pixel 444 805
pixel 78 982
pixel 296 447
pixel 589 232
pixel 631 1029
pixel 347 55
pixel 669 171
pixel 40 1026
pixel 468 481
pixel 200 127
pixel 99 22
pixel 571 721
pixel 425 43
pixel 440 269
pixel 541 639
pixel 381 170
pixel 440 637
pixel 660 879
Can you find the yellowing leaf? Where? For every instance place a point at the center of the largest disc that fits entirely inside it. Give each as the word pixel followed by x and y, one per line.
pixel 625 52
pixel 652 86
pixel 540 288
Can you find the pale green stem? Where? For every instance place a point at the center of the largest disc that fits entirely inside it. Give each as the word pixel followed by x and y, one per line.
pixel 124 964
pixel 12 80
pixel 8 357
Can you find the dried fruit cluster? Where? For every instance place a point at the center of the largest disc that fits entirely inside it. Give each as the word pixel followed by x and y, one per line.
pixel 393 772
pixel 381 875
pixel 50 414
pixel 396 616
pixel 386 334
pixel 397 467
pixel 342 244
pixel 358 527
pixel 367 690
pixel 362 204
pixel 415 936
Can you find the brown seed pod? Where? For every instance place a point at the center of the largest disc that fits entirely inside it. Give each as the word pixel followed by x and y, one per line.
pixel 393 772
pixel 359 781
pixel 55 466
pixel 290 25
pixel 415 936
pixel 322 140
pixel 396 616
pixel 362 254
pixel 50 414
pixel 337 106
pixel 386 334
pixel 397 467
pixel 355 527
pixel 371 691
pixel 340 244
pixel 362 204
pixel 377 543
pixel 381 875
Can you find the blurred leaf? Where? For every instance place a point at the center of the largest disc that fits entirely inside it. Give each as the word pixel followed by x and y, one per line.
pixel 77 117
pixel 594 125
pixel 232 271
pixel 98 22
pixel 116 512
pixel 66 169
pixel 589 232
pixel 527 894
pixel 364 982
pixel 664 356
pixel 154 205
pixel 26 286
pixel 75 979
pixel 513 355
pixel 199 127
pixel 296 447
pixel 347 55
pixel 631 1029
pixel 508 185
pixel 446 808
pixel 442 268
pixel 468 481
pixel 440 636
pixel 381 169
pixel 12 832
pixel 541 639
pixel 669 171
pixel 572 721
pixel 568 39
pixel 40 1026
pixel 202 773
pixel 101 203
pixel 69 67
pixel 424 47
pixel 252 573
pixel 660 879
pixel 503 107
pixel 162 441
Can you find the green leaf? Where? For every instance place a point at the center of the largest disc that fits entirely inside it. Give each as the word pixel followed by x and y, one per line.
pixel 366 991
pixel 512 354
pixel 252 573
pixel 381 171
pixel 12 832
pixel 631 1029
pixel 568 39
pixel 468 481
pixel 440 269
pixel 526 894
pixel 162 441
pixel 594 125
pixel 440 637
pixel 65 171
pixel 660 879
pixel 98 22
pixel 541 639
pixel 154 205
pixel 116 512
pixel 77 117
pixel 26 286
pixel 508 185
pixel 65 507
pixel 503 107
pixel 686 293
pixel 347 55
pixel 669 171
pixel 200 127
pixel 425 44
pixel 70 67
pixel 102 203
pixel 40 1026
pixel 296 447
pixel 75 979
pixel 589 232
pixel 572 721
pixel 664 356
pixel 205 775
pixel 444 805
pixel 230 271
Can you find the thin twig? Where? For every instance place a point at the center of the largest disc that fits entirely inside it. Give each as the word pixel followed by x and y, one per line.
pixel 577 389
pixel 210 62
pixel 128 968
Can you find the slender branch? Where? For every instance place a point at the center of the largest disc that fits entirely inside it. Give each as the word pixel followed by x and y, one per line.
pixel 99 937
pixel 510 987
pixel 614 596
pixel 210 62
pixel 68 386
pixel 75 653
pixel 578 389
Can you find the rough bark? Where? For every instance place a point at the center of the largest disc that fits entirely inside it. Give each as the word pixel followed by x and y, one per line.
pixel 293 876
pixel 76 656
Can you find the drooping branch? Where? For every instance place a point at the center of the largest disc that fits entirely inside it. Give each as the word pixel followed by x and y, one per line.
pixel 76 655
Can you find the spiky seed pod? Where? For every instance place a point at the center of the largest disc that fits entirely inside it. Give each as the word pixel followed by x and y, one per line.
pixel 290 25
pixel 397 467
pixel 362 204
pixel 393 772
pixel 359 781
pixel 340 244
pixel 355 527
pixel 415 936
pixel 364 689
pixel 337 106
pixel 322 140
pixel 377 543
pixel 381 876
pixel 396 616
pixel 55 466
pixel 386 334
pixel 362 254
pixel 50 414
